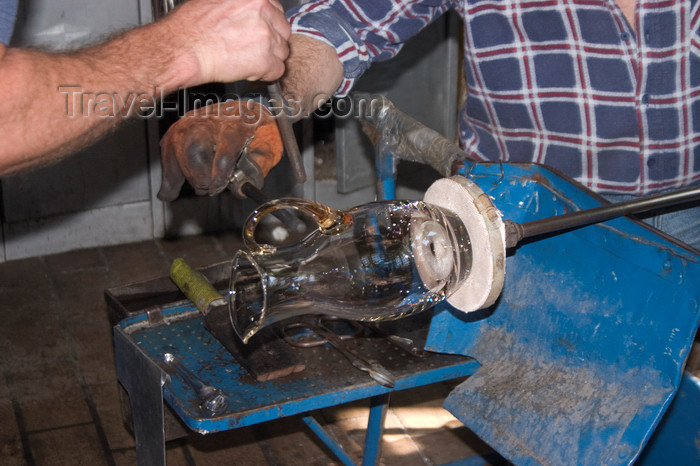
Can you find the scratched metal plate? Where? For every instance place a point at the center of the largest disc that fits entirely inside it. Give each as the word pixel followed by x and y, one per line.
pixel 328 380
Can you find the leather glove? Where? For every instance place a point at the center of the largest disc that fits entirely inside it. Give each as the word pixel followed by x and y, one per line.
pixel 205 144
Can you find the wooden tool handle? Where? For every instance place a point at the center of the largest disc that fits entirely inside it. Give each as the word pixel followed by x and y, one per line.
pixel 195 286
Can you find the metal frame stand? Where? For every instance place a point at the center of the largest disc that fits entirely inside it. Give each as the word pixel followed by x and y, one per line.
pixel 143 380
pixel 139 345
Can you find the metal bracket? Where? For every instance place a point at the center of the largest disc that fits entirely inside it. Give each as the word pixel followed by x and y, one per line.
pixel 143 380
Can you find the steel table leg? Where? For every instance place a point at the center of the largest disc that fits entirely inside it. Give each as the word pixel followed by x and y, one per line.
pixel 375 428
pixel 328 440
pixel 143 380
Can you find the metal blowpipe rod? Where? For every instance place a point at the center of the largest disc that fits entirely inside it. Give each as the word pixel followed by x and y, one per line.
pixel 284 123
pixel 515 232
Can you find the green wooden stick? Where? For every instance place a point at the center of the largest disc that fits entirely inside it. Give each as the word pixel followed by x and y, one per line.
pixel 195 286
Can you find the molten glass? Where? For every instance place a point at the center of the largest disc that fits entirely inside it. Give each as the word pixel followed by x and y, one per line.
pixel 378 261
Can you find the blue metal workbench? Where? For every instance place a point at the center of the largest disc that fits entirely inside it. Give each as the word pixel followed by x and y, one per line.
pixel 578 361
pixel 328 380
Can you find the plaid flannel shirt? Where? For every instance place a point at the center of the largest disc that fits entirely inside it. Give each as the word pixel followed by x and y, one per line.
pixel 567 83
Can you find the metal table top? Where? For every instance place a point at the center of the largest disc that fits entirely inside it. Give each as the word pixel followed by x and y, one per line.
pixel 329 378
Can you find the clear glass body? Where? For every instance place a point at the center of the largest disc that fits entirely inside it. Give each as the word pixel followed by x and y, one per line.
pixel 382 260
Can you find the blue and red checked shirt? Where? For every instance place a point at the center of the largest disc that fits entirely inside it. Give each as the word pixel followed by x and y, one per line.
pixel 567 83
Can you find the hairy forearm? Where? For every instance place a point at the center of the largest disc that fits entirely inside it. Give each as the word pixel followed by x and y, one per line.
pixel 53 104
pixel 313 73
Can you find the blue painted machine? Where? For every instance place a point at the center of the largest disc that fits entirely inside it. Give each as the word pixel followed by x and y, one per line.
pixel 585 348
pixel 578 360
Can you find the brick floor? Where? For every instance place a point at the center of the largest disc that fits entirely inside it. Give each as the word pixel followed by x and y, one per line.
pixel 59 396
